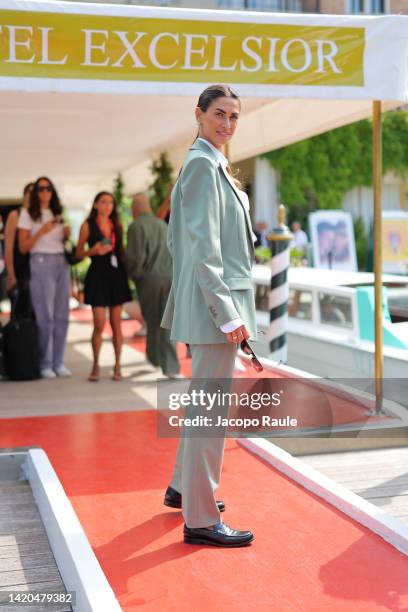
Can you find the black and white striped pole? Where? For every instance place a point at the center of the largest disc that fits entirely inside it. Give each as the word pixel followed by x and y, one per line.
pixel 279 240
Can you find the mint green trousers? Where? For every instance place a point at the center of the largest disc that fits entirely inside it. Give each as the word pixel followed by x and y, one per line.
pixel 199 460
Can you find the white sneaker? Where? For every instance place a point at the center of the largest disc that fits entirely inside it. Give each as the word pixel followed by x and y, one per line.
pixel 63 371
pixel 48 373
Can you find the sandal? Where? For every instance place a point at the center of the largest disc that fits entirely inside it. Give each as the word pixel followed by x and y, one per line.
pixel 117 374
pixel 94 375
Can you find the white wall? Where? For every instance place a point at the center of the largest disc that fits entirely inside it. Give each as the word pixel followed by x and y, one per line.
pixel 265 193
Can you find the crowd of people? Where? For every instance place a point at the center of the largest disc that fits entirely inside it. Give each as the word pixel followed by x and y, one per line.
pixel 38 274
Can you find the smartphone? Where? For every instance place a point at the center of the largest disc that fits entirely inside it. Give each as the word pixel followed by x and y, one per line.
pixel 106 242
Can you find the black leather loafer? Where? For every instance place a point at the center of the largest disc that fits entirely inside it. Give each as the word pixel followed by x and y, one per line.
pixel 172 498
pixel 219 535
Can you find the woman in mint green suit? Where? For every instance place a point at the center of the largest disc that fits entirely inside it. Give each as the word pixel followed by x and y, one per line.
pixel 211 303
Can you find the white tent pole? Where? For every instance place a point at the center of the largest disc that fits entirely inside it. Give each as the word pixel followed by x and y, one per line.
pixel 377 180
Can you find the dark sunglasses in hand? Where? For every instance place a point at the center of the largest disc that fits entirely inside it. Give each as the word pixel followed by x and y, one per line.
pixel 256 364
pixel 41 188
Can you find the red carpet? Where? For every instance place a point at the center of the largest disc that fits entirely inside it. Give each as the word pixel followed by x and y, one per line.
pixel 306 557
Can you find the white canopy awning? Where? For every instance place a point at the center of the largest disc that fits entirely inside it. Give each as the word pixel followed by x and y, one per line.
pixel 89 90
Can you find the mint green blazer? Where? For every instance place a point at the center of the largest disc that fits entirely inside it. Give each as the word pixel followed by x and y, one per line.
pixel 210 240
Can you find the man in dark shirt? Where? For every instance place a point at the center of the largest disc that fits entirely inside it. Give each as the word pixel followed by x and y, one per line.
pixel 149 265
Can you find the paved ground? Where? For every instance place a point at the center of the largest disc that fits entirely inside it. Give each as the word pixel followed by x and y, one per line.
pixel 75 395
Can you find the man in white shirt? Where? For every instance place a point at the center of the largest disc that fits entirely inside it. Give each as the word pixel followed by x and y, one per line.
pixel 300 240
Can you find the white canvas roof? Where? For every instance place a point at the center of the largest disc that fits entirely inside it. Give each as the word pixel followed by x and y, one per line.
pixel 87 91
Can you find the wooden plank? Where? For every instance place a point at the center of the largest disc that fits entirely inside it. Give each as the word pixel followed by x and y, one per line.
pixel 377 487
pixel 45 608
pixel 35 574
pixel 16 499
pixel 367 480
pixel 360 470
pixel 26 559
pixel 379 476
pixel 32 537
pixel 391 458
pixel 396 462
pixel 39 607
pixel 10 514
pixel 24 526
pixel 22 550
pixel 14 487
pixel 51 586
pixel 399 504
pixel 48 587
pixel 381 491
pixel 27 562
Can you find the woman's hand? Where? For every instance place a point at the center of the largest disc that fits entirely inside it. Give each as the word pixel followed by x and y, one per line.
pixel 238 335
pixel 11 281
pixel 67 232
pixel 47 227
pixel 100 249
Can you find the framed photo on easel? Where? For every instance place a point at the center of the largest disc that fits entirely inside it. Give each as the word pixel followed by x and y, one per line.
pixel 333 242
pixel 395 241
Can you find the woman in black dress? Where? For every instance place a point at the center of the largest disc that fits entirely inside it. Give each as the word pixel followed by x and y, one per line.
pixel 106 283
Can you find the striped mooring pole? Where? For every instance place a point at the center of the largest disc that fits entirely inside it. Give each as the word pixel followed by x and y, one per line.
pixel 279 240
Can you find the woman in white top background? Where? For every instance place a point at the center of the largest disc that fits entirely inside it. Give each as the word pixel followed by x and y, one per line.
pixel 42 234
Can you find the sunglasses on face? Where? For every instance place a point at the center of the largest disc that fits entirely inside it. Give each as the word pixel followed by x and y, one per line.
pixel 256 364
pixel 42 188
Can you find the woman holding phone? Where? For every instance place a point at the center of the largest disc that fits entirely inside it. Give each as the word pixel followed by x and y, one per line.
pixel 211 304
pixel 42 233
pixel 106 283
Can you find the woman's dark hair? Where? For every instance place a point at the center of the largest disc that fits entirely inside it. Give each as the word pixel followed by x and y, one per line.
pixel 208 96
pixel 34 206
pixel 213 92
pixel 27 188
pixel 114 214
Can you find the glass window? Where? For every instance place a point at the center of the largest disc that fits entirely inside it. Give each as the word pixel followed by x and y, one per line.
pixel 356 6
pixel 377 6
pixel 367 6
pixel 230 4
pixel 335 310
pixel 300 304
pixel 294 6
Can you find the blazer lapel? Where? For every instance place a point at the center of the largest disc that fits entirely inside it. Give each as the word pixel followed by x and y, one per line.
pixel 202 146
pixel 246 212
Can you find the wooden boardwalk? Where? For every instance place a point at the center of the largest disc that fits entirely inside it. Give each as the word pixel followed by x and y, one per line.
pixel 26 559
pixel 380 476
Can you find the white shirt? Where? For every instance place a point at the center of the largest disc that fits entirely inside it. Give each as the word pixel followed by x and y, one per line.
pixel 299 240
pixel 50 243
pixel 235 323
pixel 221 159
